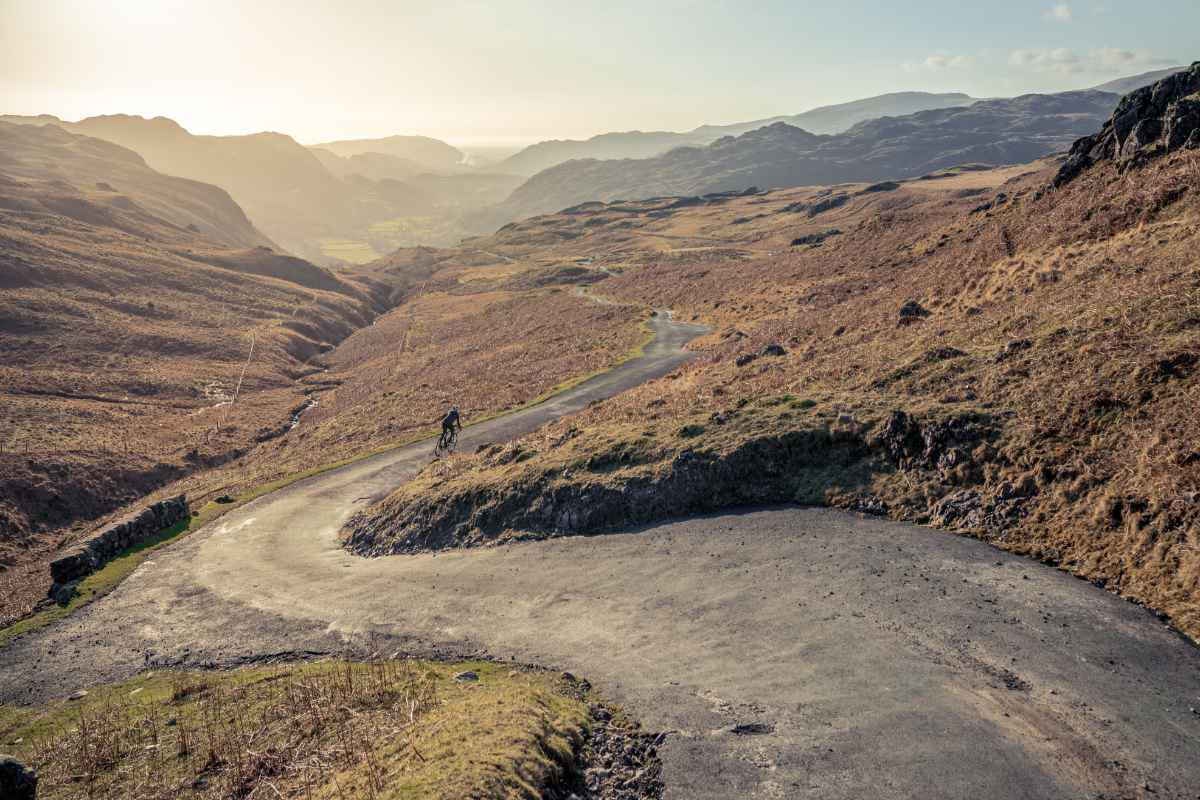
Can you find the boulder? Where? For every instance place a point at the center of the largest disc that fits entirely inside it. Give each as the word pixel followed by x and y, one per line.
pixel 17 781
pixel 911 312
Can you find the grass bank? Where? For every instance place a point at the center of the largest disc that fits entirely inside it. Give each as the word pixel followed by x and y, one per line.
pixel 391 729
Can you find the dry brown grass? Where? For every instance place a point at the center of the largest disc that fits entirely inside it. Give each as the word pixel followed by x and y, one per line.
pixel 387 729
pixel 125 337
pixel 1069 317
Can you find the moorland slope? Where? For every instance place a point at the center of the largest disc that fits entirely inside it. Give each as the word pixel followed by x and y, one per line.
pixel 129 304
pixel 1012 354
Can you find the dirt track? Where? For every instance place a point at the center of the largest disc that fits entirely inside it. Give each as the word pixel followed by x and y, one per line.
pixel 791 652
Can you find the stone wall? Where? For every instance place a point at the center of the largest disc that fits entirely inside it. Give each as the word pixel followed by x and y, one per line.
pixel 102 546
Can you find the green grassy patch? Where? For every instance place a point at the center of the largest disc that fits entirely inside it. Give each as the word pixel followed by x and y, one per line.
pixel 392 729
pixel 349 250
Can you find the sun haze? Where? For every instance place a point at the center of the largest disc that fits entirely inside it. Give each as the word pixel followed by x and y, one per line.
pixel 519 71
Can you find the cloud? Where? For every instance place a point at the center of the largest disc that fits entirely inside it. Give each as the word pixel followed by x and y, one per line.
pixel 1060 12
pixel 939 62
pixel 1064 61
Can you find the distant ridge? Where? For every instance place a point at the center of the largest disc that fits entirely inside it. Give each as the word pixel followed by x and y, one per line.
pixel 431 155
pixel 995 132
pixel 1135 82
pixel 646 144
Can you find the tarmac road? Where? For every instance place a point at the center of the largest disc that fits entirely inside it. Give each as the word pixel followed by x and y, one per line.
pixel 790 652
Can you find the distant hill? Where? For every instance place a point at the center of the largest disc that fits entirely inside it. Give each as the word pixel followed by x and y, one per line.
pixel 1132 84
pixel 994 132
pixel 376 166
pixel 280 184
pixel 844 116
pixel 627 144
pixel 432 155
pixel 312 201
pixel 49 170
pixel 646 144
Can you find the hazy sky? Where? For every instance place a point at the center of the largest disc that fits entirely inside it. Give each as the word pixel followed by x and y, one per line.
pixel 518 70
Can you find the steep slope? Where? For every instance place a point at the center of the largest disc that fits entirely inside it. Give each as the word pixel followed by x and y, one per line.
pixel 433 155
pixel 96 181
pixel 282 186
pixel 983 352
pixel 989 132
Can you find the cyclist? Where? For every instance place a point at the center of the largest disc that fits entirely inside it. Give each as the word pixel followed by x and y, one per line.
pixel 450 423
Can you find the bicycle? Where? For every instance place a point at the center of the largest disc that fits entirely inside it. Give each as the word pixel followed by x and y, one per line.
pixel 446 443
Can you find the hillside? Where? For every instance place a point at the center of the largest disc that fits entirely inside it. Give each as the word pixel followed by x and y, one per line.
pixel 979 351
pixel 989 132
pixel 128 301
pixel 431 155
pixel 313 203
pixel 844 116
pixel 647 144
pixel 50 170
pixel 1124 86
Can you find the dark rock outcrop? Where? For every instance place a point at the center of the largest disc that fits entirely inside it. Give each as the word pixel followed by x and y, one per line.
pixel 911 312
pixel 98 549
pixel 801 466
pixel 1150 122
pixel 815 238
pixel 17 781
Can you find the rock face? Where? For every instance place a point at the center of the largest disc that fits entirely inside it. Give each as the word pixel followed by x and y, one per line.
pixel 97 550
pixel 797 466
pixel 17 781
pixel 1150 122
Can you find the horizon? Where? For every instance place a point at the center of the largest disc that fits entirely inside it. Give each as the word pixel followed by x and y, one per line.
pixel 444 73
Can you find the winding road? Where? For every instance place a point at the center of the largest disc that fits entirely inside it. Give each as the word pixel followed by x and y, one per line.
pixel 788 652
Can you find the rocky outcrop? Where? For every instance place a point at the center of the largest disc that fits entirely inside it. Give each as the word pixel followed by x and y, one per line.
pixel 1150 122
pixel 98 549
pixel 819 466
pixel 17 781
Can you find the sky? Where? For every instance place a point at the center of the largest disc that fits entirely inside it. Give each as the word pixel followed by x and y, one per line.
pixel 515 71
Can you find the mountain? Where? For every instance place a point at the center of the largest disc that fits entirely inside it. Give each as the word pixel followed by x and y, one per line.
pixel 312 201
pixel 628 144
pixel 433 155
pixel 376 166
pixel 646 144
pixel 280 184
pixel 48 170
pixel 1007 131
pixel 1135 82
pixel 842 117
